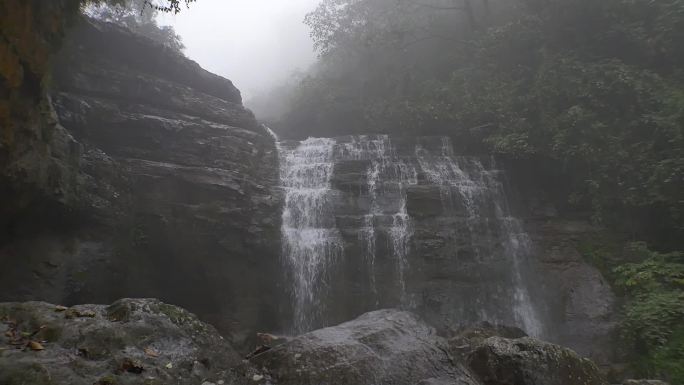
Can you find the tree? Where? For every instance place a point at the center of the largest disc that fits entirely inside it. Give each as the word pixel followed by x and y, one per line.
pixel 168 5
pixel 138 16
pixel 158 5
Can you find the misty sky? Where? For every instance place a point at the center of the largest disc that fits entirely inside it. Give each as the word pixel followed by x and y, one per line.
pixel 254 43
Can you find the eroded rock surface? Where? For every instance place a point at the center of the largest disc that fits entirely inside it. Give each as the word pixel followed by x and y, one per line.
pixel 132 341
pixel 501 361
pixel 380 347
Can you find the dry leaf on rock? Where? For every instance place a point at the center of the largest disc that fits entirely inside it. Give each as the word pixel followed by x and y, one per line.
pixel 35 345
pixel 151 352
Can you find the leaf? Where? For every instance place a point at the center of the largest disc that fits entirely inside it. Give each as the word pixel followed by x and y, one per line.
pixel 151 352
pixel 169 366
pixel 36 346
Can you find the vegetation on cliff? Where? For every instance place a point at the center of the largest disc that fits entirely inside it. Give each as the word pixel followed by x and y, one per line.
pixel 654 312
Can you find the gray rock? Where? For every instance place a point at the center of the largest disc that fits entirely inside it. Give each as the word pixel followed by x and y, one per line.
pixel 526 361
pixel 380 347
pixel 132 341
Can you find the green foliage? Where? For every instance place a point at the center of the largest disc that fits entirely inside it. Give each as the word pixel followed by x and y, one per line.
pixel 669 358
pixel 654 312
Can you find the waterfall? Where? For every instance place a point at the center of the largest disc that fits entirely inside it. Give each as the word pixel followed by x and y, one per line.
pixel 474 203
pixel 311 242
pixel 483 197
pixel 386 175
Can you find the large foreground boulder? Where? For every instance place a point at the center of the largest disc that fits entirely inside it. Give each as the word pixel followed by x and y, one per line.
pixel 380 347
pixel 145 341
pixel 527 361
pixel 133 341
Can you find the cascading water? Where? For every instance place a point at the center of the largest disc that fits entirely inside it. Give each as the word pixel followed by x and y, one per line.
pixel 473 202
pixel 311 242
pixel 387 175
pixel 481 192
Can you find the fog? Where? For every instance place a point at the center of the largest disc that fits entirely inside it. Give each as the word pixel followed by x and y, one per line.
pixel 254 43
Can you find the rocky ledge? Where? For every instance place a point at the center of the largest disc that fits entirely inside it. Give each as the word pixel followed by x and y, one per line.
pixel 145 341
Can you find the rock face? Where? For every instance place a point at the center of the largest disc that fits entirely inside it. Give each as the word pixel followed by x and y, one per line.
pixel 380 347
pixel 500 361
pixel 171 189
pixel 584 306
pixel 132 341
pixel 38 157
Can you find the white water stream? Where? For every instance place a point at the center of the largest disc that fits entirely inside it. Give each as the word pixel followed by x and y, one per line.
pixel 312 243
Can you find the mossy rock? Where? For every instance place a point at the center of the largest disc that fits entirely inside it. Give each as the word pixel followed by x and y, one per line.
pixel 89 345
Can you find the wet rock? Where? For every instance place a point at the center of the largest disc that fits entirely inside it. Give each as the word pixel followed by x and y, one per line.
pixel 526 361
pixel 112 346
pixel 584 306
pixel 380 347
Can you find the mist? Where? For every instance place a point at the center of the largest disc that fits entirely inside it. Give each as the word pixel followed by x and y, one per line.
pixel 254 43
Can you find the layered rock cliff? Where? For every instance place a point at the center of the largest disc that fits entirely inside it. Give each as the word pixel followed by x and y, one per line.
pixel 170 188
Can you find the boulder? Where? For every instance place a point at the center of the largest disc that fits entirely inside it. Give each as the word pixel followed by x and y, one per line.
pixel 380 347
pixel 527 361
pixel 132 341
